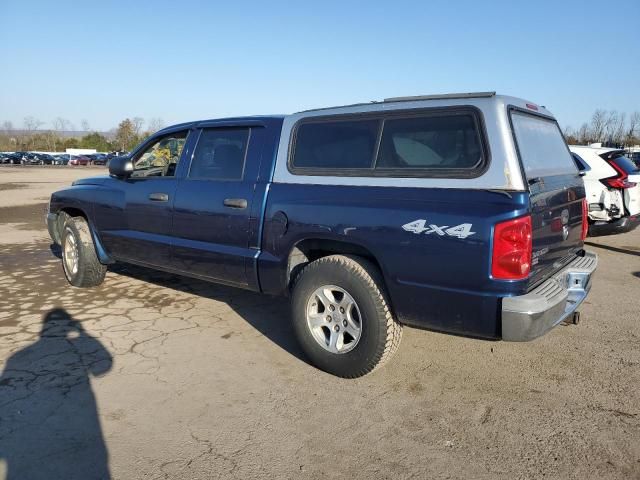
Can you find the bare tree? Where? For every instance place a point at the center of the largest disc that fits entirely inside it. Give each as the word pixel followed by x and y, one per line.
pixel 84 124
pixel 155 124
pixel 584 134
pixel 138 122
pixel 7 127
pixel 598 125
pixel 633 128
pixel 611 120
pixel 61 124
pixel 619 128
pixel 31 124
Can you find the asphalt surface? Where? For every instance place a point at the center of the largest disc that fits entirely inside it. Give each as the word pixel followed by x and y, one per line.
pixel 156 376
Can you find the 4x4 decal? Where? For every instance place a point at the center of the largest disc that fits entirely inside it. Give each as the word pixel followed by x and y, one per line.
pixel 420 226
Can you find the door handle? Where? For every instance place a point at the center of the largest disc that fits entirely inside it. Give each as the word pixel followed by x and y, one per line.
pixel 235 203
pixel 158 197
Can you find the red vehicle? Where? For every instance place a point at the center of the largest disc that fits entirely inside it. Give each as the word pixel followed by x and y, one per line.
pixel 79 160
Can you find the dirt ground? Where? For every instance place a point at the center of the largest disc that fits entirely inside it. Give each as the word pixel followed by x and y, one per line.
pixel 155 376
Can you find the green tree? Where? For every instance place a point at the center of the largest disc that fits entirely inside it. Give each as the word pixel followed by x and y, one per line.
pixel 126 137
pixel 95 140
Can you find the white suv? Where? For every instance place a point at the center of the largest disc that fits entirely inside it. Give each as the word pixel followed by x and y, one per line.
pixel 612 185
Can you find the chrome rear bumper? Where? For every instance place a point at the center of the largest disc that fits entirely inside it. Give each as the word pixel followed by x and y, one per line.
pixel 529 316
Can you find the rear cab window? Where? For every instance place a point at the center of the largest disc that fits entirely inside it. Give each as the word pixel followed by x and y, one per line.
pixel 422 144
pixel 541 146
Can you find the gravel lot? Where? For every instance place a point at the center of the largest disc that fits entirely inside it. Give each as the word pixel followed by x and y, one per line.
pixel 156 376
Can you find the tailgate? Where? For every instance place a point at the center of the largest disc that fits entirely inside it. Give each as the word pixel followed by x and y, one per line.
pixel 556 220
pixel 632 197
pixel 632 194
pixel 627 179
pixel 556 193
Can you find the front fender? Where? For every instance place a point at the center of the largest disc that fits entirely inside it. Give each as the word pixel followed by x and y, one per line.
pixel 74 201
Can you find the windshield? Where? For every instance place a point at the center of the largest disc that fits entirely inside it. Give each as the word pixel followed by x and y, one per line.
pixel 542 148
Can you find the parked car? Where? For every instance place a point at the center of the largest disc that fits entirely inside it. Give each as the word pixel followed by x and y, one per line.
pixel 11 158
pixel 79 160
pixel 46 159
pixel 613 190
pixel 31 158
pixel 62 158
pixel 419 211
pixel 19 158
pixel 98 159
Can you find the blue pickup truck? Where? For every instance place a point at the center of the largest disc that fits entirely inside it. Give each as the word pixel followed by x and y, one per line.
pixel 460 213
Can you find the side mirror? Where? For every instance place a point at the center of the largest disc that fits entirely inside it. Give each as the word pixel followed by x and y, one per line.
pixel 120 167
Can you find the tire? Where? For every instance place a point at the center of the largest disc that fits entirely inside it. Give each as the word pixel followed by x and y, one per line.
pixel 79 260
pixel 378 335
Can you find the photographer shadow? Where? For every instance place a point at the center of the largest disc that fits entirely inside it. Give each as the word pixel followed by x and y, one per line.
pixel 49 424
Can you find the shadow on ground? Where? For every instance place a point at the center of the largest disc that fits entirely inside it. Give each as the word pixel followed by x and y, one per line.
pixel 627 250
pixel 267 314
pixel 49 425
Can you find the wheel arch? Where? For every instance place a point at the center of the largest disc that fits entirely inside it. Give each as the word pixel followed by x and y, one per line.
pixel 69 211
pixel 309 249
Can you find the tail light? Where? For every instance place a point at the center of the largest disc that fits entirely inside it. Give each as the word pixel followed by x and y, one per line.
pixel 620 179
pixel 585 219
pixel 512 244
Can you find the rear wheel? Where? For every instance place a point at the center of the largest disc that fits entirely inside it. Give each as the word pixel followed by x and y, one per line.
pixel 342 317
pixel 79 260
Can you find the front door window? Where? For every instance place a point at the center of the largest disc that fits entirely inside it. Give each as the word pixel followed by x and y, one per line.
pixel 160 159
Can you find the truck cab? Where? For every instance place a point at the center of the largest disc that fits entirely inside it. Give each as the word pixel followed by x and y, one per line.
pixel 460 213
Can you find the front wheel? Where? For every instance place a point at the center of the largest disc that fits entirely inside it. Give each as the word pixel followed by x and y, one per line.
pixel 79 260
pixel 342 317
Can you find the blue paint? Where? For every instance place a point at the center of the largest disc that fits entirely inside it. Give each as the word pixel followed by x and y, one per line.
pixel 437 282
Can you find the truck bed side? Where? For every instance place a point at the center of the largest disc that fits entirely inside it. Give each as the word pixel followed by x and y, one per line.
pixel 436 280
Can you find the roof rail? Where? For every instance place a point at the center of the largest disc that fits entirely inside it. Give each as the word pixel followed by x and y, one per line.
pixel 441 97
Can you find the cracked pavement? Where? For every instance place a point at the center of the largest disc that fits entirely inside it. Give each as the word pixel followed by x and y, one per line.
pixel 156 376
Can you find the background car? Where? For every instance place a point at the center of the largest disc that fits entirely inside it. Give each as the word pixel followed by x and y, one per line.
pixel 612 187
pixel 62 158
pixel 79 160
pixel 46 159
pixel 98 158
pixel 32 158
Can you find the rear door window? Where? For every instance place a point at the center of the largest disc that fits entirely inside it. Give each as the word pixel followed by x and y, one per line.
pixel 541 145
pixel 220 154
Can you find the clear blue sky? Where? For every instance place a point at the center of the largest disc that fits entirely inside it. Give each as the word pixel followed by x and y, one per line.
pixel 184 60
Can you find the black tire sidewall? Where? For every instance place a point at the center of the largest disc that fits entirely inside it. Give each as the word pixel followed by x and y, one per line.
pixel 367 353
